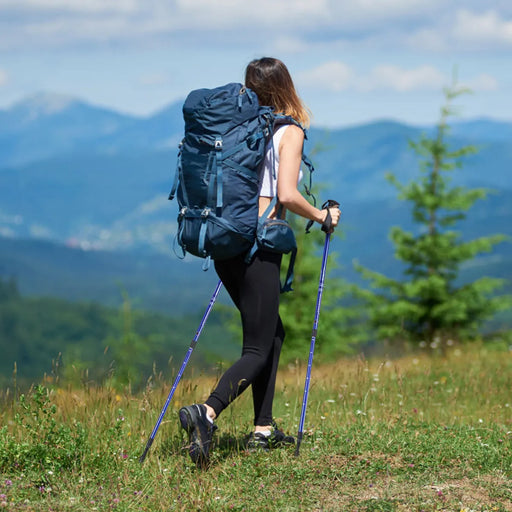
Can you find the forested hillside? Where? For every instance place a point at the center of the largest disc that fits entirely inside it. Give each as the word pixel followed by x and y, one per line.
pixel 87 342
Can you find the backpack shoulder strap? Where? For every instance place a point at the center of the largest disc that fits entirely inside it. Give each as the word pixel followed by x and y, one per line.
pixel 280 119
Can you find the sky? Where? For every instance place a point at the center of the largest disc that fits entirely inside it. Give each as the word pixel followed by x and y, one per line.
pixel 353 61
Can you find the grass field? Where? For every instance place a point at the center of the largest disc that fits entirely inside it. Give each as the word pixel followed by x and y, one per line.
pixel 422 433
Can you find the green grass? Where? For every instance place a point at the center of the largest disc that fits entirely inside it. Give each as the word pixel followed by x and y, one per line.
pixel 422 433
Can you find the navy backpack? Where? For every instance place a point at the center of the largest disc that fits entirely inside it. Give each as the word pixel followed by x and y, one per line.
pixel 218 174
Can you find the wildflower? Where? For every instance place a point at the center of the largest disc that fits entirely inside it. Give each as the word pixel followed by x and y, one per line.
pixel 3 497
pixel 8 483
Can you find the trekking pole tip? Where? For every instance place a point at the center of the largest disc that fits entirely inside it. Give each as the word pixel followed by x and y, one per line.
pixel 297 446
pixel 142 458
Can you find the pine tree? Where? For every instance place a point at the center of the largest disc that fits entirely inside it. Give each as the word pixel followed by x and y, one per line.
pixel 431 304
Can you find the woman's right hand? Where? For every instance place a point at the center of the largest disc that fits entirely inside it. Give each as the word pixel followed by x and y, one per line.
pixel 335 217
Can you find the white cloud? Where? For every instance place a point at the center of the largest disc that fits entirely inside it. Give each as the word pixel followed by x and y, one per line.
pixel 281 26
pixel 331 76
pixel 336 76
pixel 466 30
pixel 482 82
pixel 53 22
pixel 265 13
pixel 4 78
pixel 484 28
pixel 405 80
pixel 88 6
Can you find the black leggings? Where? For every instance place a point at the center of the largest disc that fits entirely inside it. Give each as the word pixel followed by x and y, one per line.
pixel 255 289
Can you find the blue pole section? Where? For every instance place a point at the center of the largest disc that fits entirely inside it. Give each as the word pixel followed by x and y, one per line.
pixel 312 346
pixel 180 373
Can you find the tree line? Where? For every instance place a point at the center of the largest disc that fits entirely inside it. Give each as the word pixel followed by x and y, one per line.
pixel 87 343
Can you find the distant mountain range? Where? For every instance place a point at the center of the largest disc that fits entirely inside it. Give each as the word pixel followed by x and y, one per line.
pixel 92 178
pixel 46 126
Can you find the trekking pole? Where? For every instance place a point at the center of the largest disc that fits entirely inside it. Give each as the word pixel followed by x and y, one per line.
pixel 328 204
pixel 180 373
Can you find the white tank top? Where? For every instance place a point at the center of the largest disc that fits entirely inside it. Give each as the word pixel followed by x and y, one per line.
pixel 268 186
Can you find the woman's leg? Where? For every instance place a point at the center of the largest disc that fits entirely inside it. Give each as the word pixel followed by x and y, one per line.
pixel 255 290
pixel 264 384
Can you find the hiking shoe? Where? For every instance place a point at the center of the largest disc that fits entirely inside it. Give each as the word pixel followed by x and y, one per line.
pixel 200 429
pixel 276 439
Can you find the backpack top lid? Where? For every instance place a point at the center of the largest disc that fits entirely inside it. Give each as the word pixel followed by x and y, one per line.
pixel 221 109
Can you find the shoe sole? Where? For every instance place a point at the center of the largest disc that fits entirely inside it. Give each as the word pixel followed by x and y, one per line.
pixel 196 447
pixel 258 448
pixel 270 444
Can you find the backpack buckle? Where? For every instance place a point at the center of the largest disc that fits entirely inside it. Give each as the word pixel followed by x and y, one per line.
pixel 218 143
pixel 205 213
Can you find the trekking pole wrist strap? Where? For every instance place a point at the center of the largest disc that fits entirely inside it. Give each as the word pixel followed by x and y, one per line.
pixel 327 223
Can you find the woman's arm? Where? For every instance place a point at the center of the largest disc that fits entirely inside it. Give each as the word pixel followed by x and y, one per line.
pixel 290 159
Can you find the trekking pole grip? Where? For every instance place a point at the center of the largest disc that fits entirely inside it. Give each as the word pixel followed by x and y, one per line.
pixel 327 223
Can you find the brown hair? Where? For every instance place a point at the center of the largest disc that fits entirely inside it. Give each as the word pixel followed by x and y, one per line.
pixel 270 79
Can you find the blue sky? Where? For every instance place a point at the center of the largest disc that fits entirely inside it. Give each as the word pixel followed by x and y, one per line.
pixel 352 61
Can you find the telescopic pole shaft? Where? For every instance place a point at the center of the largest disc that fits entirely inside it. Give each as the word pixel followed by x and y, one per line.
pixel 180 373
pixel 312 346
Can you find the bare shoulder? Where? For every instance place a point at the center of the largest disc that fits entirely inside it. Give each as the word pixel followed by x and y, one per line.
pixel 293 137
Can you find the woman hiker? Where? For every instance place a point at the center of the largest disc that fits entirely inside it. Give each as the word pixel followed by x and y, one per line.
pixel 255 287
